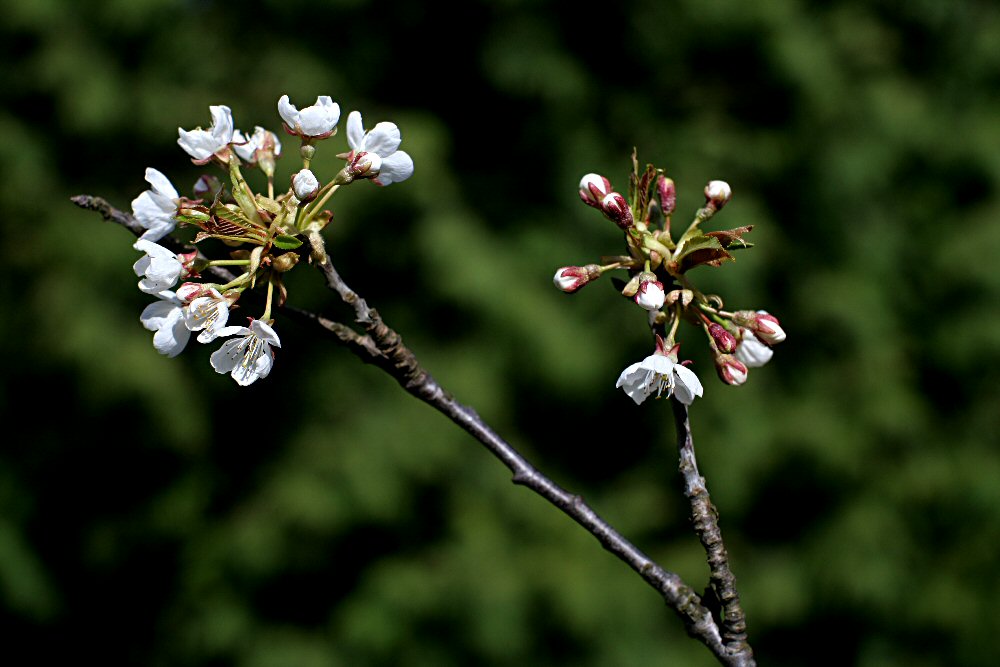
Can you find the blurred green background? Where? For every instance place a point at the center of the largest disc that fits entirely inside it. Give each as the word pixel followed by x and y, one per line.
pixel 153 513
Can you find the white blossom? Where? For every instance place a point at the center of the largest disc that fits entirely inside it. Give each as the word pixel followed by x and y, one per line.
pixel 718 193
pixel 305 185
pixel 383 141
pixel 159 268
pixel 317 121
pixel 166 318
pixel 249 357
pixel 657 373
pixel 650 295
pixel 155 208
pixel 201 144
pixel 208 314
pixel 246 147
pixel 751 351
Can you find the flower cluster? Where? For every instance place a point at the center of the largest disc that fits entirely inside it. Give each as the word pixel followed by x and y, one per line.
pixel 657 268
pixel 262 233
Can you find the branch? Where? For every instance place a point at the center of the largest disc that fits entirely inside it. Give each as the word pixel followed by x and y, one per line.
pixel 705 518
pixel 382 346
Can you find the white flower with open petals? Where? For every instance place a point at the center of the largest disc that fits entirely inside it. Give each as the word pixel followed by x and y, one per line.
pixel 166 318
pixel 657 373
pixel 201 144
pixel 159 268
pixel 208 314
pixel 155 208
pixel 316 122
pixel 374 154
pixel 248 358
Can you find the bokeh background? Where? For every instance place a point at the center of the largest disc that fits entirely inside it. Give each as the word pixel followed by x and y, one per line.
pixel 153 513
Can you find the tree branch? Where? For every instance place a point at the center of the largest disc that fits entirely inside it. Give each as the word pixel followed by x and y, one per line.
pixel 382 346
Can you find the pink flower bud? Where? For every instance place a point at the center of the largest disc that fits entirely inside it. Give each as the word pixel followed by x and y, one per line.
pixel 724 341
pixel 718 193
pixel 593 188
pixel 668 194
pixel 731 370
pixel 571 278
pixel 764 325
pixel 190 291
pixel 650 295
pixel 617 210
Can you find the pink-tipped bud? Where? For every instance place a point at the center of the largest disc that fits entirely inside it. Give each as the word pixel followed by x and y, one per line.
pixel 617 210
pixel 718 193
pixel 571 278
pixel 365 165
pixel 724 341
pixel 764 325
pixel 593 188
pixel 188 292
pixel 189 264
pixel 305 185
pixel 650 295
pixel 667 191
pixel 731 370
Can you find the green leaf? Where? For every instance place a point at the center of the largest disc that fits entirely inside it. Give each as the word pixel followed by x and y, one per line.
pixel 286 242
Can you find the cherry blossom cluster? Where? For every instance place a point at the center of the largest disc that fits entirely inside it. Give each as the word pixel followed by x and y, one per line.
pixel 657 269
pixel 260 233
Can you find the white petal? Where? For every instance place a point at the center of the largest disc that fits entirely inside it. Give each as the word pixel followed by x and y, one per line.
pixel 355 131
pixel 395 168
pixel 226 357
pixel 383 139
pixel 288 112
pixel 234 330
pixel 161 184
pixel 222 126
pixel 155 315
pixel 688 385
pixel 264 331
pixel 199 144
pixel 172 336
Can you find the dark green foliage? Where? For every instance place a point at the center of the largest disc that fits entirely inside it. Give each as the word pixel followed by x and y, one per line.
pixel 153 513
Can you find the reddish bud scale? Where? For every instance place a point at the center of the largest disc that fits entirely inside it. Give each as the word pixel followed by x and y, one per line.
pixel 617 210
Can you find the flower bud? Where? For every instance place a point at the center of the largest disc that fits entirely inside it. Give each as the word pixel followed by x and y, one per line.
pixel 724 341
pixel 365 165
pixel 650 295
pixel 593 188
pixel 667 191
pixel 571 278
pixel 190 291
pixel 617 210
pixel 718 193
pixel 207 187
pixel 764 325
pixel 730 369
pixel 751 351
pixel 190 266
pixel 305 185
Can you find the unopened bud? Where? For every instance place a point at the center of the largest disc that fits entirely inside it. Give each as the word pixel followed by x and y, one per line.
pixel 685 296
pixel 650 294
pixel 571 278
pixel 285 262
pixel 724 341
pixel 190 291
pixel 365 165
pixel 764 325
pixel 718 193
pixel 751 351
pixel 617 210
pixel 668 194
pixel 731 370
pixel 190 266
pixel 304 185
pixel 593 188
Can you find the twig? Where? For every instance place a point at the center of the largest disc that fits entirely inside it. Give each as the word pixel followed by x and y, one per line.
pixel 382 346
pixel 705 518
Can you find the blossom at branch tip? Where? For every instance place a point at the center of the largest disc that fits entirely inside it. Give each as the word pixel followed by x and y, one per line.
pixel 658 373
pixel 201 144
pixel 155 209
pixel 159 268
pixel 166 318
pixel 718 193
pixel 247 147
pixel 249 357
pixel 375 154
pixel 314 122
pixel 305 185
pixel 208 314
pixel 751 351
pixel 651 295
